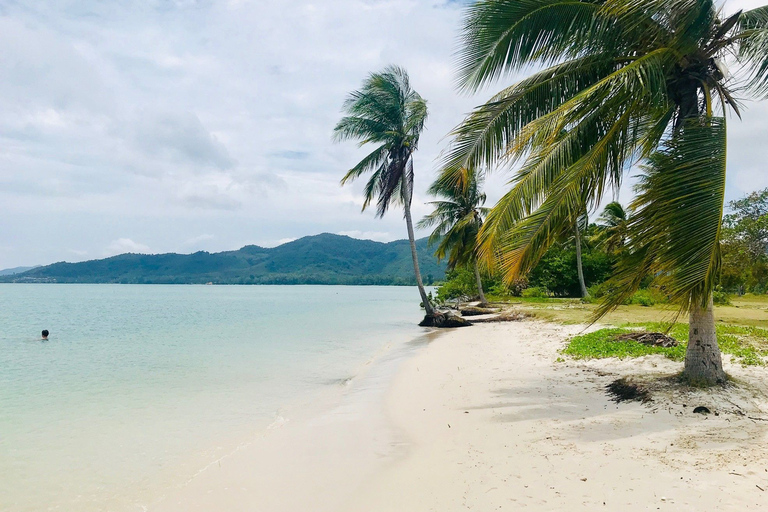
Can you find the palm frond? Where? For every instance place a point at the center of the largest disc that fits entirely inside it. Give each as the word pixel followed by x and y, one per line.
pixel 753 49
pixel 484 134
pixel 371 162
pixel 523 246
pixel 675 230
pixel 686 24
pixel 500 36
pixel 586 161
pixel 385 111
pixel 457 218
pixel 509 126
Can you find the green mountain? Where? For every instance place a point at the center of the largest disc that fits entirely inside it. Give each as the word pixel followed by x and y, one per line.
pixel 320 259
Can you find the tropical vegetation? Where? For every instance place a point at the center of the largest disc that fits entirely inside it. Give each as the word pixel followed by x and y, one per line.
pixel 457 219
pixel 387 113
pixel 624 82
pixel 745 245
pixel 747 345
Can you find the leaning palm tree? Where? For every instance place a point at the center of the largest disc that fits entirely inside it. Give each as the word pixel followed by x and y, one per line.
pixel 386 112
pixel 458 218
pixel 627 81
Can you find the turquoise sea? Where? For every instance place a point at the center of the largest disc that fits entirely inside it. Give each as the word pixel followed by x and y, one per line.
pixel 140 386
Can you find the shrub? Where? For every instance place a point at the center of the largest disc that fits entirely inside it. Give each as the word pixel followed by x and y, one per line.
pixel 459 285
pixel 598 291
pixel 518 286
pixel 535 292
pixel 721 298
pixel 643 298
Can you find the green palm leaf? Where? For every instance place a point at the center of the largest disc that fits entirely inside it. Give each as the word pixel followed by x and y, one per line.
pixel 675 232
pixel 386 112
pixel 457 218
pixel 502 36
pixel 753 48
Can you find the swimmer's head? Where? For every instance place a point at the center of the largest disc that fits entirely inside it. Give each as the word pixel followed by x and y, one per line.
pixel 45 334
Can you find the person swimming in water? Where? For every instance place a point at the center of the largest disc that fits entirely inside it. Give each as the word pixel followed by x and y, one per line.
pixel 45 334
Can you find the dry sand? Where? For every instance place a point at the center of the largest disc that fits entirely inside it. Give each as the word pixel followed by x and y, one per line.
pixel 485 418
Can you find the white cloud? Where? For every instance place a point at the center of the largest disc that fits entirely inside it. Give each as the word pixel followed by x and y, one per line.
pixel 181 138
pixel 124 245
pixel 167 120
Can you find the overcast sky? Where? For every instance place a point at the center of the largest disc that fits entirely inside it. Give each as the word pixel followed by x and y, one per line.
pixel 177 126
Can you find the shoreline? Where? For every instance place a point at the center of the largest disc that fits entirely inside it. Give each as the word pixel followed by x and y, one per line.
pixel 286 466
pixel 486 418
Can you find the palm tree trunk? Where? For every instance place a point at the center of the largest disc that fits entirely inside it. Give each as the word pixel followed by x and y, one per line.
pixel 703 364
pixel 580 270
pixel 479 284
pixel 414 255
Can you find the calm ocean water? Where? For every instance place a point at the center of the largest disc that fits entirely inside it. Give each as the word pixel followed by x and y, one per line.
pixel 138 384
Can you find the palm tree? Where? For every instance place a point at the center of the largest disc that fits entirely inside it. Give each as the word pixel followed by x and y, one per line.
pixel 386 112
pixel 628 81
pixel 458 218
pixel 584 220
pixel 613 223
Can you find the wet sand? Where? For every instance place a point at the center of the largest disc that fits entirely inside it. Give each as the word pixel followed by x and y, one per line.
pixel 487 418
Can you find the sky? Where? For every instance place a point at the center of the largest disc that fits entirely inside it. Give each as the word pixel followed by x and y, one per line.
pixel 178 126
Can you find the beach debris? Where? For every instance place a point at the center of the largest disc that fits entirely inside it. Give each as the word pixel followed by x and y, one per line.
pixel 651 339
pixel 701 410
pixel 505 316
pixel 622 390
pixel 444 319
pixel 476 311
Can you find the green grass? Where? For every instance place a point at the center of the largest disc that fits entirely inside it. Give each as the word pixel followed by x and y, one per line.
pixel 749 310
pixel 748 345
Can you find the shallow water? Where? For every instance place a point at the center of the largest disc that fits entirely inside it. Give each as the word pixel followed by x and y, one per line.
pixel 139 385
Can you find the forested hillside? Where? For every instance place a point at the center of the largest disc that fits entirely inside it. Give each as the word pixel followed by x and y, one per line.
pixel 319 259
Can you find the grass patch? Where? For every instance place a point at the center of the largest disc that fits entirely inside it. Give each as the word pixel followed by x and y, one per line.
pixel 749 310
pixel 748 345
pixel 603 343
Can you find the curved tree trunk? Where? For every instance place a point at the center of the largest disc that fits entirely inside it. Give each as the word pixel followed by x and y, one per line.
pixel 479 284
pixel 414 255
pixel 703 363
pixel 579 268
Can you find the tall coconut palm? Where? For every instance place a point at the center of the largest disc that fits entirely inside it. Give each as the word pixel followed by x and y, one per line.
pixel 628 81
pixel 387 113
pixel 458 218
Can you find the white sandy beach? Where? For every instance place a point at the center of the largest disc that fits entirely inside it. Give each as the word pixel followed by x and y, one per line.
pixel 485 418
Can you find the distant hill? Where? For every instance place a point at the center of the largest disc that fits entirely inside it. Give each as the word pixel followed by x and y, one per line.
pixel 319 259
pixel 15 270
